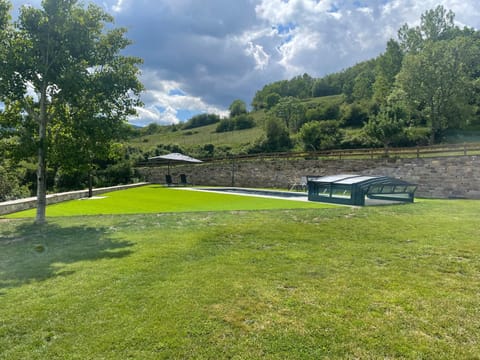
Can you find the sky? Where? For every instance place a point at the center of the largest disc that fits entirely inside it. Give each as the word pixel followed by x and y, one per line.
pixel 201 55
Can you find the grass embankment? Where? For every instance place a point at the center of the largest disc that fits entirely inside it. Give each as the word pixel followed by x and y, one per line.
pixel 377 282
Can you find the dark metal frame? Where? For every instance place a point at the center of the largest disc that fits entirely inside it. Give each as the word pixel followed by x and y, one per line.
pixel 353 189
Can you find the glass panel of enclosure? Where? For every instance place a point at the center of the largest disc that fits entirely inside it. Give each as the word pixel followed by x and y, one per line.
pixel 323 190
pixel 341 191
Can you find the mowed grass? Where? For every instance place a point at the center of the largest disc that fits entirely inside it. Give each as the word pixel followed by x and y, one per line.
pixel 390 282
pixel 157 198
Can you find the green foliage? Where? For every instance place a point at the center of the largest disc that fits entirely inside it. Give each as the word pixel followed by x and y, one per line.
pixel 324 87
pixel 417 136
pixel 237 107
pixel 355 114
pixel 271 100
pixel 290 111
pixel 224 125
pixel 276 139
pixel 320 135
pixel 70 55
pixel 299 87
pixel 439 96
pixel 239 122
pixel 152 128
pixel 243 122
pixel 435 25
pixel 329 111
pixel 208 150
pixel 388 65
pixel 277 136
pixel 201 120
pixel 363 84
pixel 120 172
pixel 385 127
pixel 11 187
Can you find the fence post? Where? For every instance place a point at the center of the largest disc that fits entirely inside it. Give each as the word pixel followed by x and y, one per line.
pixel 418 151
pixel 465 149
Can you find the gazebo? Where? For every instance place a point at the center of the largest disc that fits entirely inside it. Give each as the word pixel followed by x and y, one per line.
pixel 173 158
pixel 351 189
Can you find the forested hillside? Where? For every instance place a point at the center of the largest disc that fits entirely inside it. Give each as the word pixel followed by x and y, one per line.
pixel 423 89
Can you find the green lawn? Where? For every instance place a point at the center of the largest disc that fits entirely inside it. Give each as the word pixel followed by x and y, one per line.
pixel 159 199
pixel 389 282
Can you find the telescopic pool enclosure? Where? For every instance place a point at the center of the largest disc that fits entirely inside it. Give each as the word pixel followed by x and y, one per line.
pixel 355 189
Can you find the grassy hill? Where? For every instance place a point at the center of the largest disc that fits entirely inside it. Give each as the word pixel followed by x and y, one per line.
pixel 191 140
pixel 197 137
pixel 350 117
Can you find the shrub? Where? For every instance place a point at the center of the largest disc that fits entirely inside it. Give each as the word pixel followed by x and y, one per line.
pixel 10 185
pixel 201 120
pixel 320 135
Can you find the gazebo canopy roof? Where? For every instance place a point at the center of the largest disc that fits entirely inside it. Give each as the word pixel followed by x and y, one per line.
pixel 173 158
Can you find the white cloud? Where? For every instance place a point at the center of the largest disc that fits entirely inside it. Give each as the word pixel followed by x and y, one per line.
pixel 164 100
pixel 118 7
pixel 199 56
pixel 259 55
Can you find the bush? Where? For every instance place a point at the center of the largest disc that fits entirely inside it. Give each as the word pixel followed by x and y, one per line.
pixel 240 122
pixel 354 115
pixel 224 125
pixel 320 135
pixel 116 174
pixel 201 120
pixel 276 139
pixel 10 185
pixel 243 121
pixel 66 181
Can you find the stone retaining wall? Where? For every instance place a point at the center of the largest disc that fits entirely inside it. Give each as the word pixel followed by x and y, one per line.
pixel 8 207
pixel 441 177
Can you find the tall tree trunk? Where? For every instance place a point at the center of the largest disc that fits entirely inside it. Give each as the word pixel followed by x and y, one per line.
pixel 42 159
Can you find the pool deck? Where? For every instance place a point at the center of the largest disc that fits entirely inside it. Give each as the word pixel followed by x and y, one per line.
pixel 263 193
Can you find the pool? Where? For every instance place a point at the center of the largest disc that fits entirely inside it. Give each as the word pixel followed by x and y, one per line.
pixel 290 195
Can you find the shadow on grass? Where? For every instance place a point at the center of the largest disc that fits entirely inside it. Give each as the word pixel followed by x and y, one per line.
pixel 35 253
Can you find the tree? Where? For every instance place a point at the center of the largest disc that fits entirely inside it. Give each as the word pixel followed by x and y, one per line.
pixel 201 120
pixel 435 25
pixel 437 82
pixel 237 107
pixel 318 135
pixel 271 100
pixel 277 136
pixel 243 121
pixel 54 50
pixel 10 184
pixel 362 86
pixel 385 127
pixel 388 65
pixel 291 111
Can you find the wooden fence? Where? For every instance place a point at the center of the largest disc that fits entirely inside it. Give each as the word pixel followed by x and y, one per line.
pixel 371 153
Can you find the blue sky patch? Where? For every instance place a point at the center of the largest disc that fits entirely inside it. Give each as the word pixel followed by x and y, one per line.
pixel 176 92
pixel 184 114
